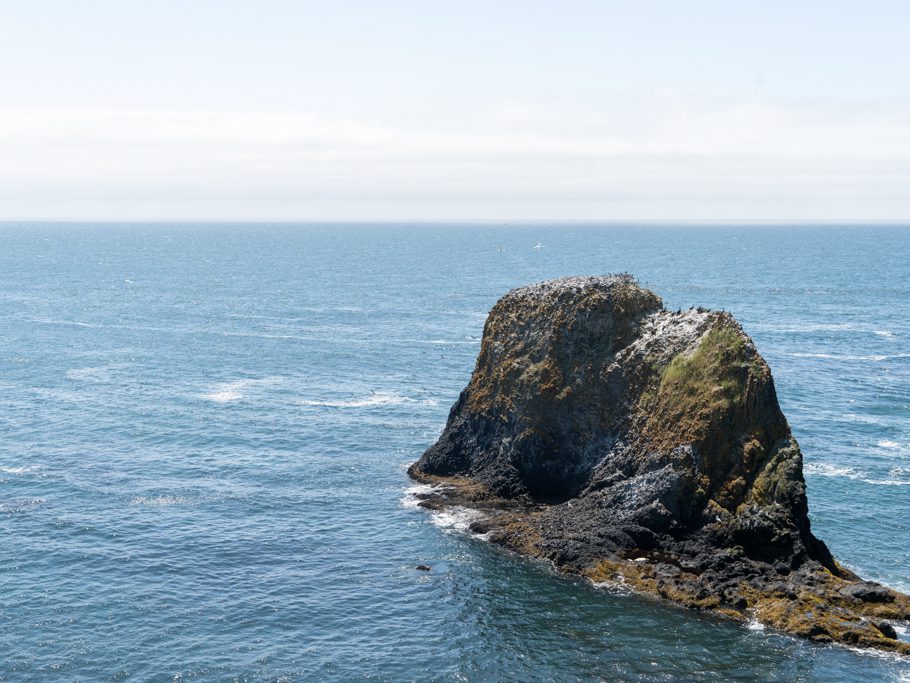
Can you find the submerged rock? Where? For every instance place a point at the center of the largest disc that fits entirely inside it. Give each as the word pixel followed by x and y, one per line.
pixel 625 442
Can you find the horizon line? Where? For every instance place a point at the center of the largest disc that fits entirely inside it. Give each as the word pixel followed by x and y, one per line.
pixel 466 221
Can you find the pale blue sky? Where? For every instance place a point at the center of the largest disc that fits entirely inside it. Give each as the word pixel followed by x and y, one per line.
pixel 454 110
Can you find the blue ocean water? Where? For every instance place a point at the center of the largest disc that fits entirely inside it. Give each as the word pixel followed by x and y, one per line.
pixel 204 431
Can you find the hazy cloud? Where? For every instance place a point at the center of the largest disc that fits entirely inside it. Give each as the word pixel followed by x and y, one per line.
pixel 668 157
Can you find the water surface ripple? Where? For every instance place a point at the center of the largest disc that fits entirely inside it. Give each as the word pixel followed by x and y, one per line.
pixel 204 431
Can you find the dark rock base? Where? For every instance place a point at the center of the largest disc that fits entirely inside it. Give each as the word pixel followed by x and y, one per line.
pixel 808 600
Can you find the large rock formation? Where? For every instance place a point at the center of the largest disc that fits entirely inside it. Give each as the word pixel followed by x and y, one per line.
pixel 628 443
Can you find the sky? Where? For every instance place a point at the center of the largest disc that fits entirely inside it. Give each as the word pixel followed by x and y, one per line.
pixel 426 110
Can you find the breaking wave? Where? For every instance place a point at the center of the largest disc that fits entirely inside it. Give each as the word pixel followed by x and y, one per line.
pixel 455 518
pixel 413 495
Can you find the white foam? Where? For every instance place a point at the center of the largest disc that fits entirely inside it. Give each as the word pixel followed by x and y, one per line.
pixel 455 518
pixel 51 321
pixel 223 396
pixel 20 470
pixel 99 374
pixel 839 356
pixel 437 342
pixel 886 482
pixel 884 333
pixel 822 469
pixel 226 392
pixel 882 654
pixel 825 470
pixel 865 419
pixel 884 443
pixel 617 586
pixel 159 500
pixel 810 327
pixel 755 625
pixel 412 495
pixel 19 505
pixel 375 398
pixel 328 309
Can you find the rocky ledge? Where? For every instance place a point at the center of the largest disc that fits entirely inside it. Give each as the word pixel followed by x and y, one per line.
pixel 631 444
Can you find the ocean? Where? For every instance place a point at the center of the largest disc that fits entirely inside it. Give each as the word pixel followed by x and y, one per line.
pixel 204 430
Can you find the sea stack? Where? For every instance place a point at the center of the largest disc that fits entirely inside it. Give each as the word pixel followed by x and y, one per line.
pixel 636 445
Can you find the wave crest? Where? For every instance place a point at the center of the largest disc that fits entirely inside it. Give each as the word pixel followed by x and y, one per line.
pixel 20 469
pixel 895 475
pixel 375 398
pixel 163 501
pixel 227 392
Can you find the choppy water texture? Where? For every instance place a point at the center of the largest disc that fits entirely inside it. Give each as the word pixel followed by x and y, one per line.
pixel 204 432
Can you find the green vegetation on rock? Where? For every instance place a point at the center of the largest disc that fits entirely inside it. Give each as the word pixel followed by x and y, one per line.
pixel 712 378
pixel 696 389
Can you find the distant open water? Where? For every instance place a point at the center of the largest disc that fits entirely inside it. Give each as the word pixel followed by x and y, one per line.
pixel 204 431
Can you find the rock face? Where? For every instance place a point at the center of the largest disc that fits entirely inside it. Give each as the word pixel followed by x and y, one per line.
pixel 632 444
